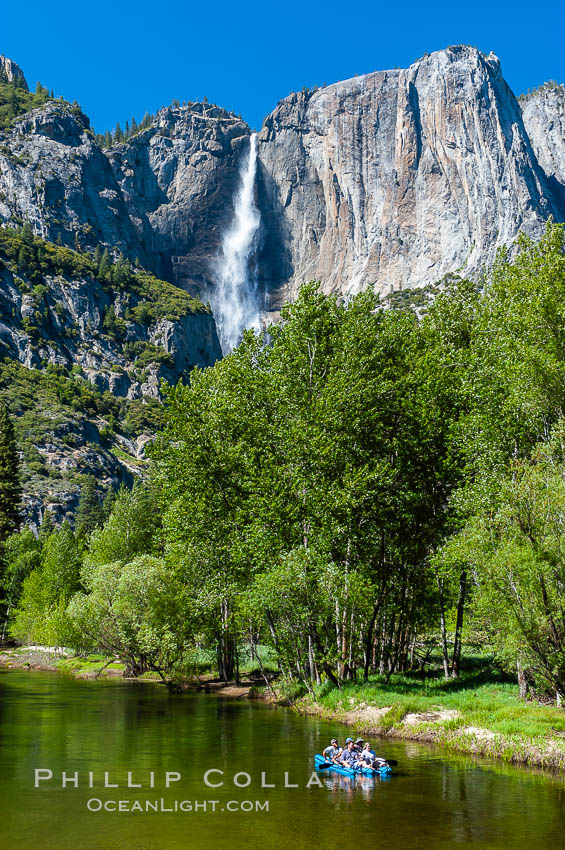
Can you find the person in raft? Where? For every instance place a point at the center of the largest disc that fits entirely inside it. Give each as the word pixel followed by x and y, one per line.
pixel 333 752
pixel 349 756
pixel 369 758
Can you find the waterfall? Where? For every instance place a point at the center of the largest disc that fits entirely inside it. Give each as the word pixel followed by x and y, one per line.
pixel 234 299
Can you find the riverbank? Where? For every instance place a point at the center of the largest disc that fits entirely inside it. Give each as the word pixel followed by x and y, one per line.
pixel 468 715
pixel 95 666
pixel 477 713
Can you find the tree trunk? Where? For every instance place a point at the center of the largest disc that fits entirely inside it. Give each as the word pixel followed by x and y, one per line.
pixel 369 640
pixel 444 650
pixel 522 680
pixel 456 662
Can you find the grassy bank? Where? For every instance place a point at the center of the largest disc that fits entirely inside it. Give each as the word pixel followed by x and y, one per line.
pixel 201 675
pixel 480 712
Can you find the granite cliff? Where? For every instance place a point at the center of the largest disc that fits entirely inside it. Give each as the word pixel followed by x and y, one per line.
pixel 391 180
pixel 543 112
pixel 397 178
pixel 84 345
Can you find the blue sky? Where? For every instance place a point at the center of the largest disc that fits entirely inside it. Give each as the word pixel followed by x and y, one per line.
pixel 119 60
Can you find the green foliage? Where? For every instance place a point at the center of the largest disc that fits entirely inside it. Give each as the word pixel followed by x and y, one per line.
pixel 550 85
pixel 15 100
pixel 131 609
pixel 108 140
pixel 51 405
pixel 144 416
pixel 130 530
pixel 335 489
pixel 303 476
pixel 20 556
pixel 35 257
pixel 10 483
pixel 518 556
pixel 90 513
pixel 40 616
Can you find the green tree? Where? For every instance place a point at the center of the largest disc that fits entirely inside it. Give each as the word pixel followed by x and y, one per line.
pixel 105 266
pixel 40 616
pixel 132 610
pixel 21 555
pixel 132 528
pixel 517 554
pixel 10 482
pixel 309 451
pixel 90 514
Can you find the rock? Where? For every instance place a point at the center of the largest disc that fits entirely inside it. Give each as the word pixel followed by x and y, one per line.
pixel 397 178
pixel 178 179
pixel 544 118
pixel 54 175
pixel 54 327
pixel 389 180
pixel 10 72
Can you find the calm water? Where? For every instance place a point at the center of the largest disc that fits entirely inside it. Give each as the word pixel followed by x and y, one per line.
pixel 56 723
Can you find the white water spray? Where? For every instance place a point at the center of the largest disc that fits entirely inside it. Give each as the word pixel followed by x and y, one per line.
pixel 234 300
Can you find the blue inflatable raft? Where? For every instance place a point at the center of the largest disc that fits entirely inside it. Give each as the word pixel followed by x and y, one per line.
pixel 322 764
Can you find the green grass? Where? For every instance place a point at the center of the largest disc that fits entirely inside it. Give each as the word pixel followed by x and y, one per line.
pixel 91 664
pixel 482 696
pixel 127 458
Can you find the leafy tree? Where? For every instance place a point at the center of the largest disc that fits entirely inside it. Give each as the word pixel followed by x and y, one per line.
pixel 132 528
pixel 40 616
pixel 307 449
pixel 518 557
pixel 21 555
pixel 132 610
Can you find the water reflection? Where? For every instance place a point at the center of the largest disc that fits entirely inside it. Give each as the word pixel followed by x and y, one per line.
pixel 365 786
pixel 431 800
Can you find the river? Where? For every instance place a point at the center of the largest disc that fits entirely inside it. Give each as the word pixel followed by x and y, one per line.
pixel 51 722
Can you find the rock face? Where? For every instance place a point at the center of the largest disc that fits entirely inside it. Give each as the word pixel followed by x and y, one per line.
pixel 389 180
pixel 177 180
pixel 81 361
pixel 544 119
pixel 54 175
pixel 12 73
pixel 396 178
pixel 61 323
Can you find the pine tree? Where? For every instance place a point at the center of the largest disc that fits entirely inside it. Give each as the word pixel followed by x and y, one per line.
pixel 90 513
pixel 108 503
pixel 47 526
pixel 105 266
pixel 27 233
pixel 10 485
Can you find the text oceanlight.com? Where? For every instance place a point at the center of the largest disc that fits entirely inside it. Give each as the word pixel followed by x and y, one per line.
pixel 161 805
